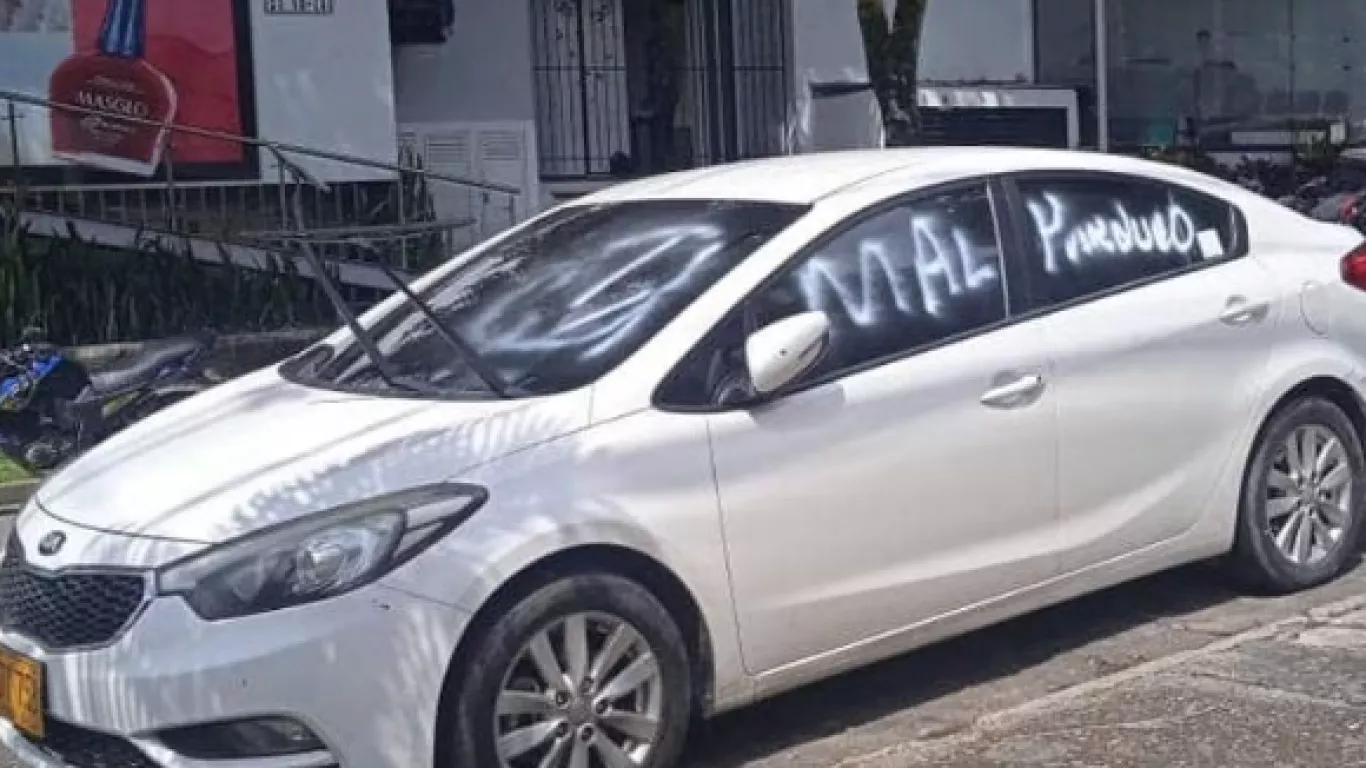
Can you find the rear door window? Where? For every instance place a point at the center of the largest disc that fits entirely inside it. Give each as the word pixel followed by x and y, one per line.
pixel 1088 235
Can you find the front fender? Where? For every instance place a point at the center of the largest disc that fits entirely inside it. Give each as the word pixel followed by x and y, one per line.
pixel 642 483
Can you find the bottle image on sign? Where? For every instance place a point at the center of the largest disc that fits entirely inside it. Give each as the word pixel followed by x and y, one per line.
pixel 114 81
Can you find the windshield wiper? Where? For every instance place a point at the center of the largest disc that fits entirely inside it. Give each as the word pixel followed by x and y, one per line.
pixel 486 374
pixel 363 339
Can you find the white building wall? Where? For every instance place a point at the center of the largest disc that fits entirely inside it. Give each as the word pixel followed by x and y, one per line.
pixel 310 96
pixel 827 55
pixel 467 108
pixel 482 72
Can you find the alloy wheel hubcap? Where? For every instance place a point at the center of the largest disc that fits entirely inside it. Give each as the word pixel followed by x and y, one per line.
pixel 584 691
pixel 1309 494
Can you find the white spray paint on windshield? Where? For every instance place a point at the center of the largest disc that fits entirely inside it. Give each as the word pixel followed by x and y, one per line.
pixel 589 305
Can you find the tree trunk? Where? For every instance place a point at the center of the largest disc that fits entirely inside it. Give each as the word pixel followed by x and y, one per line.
pixel 893 58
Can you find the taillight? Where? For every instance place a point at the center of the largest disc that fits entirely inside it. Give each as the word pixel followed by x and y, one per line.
pixel 1353 267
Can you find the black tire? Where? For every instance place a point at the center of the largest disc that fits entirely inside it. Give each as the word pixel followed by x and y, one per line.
pixel 1257 562
pixel 471 700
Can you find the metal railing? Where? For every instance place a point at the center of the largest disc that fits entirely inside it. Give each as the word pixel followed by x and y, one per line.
pixel 354 210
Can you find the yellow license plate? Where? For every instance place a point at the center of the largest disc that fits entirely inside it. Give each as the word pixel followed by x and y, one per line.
pixel 21 693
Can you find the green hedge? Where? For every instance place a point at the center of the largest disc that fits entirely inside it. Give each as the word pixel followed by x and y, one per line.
pixel 81 292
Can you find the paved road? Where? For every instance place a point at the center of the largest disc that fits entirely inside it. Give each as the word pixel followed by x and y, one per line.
pixel 940 693
pixel 1106 680
pixel 1289 694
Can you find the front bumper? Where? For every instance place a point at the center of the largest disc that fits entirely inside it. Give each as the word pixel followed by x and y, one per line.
pixel 363 671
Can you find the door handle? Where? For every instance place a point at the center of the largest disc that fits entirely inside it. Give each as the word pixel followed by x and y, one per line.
pixel 1239 310
pixel 1015 392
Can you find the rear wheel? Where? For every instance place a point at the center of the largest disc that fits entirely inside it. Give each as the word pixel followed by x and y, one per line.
pixel 587 671
pixel 1301 509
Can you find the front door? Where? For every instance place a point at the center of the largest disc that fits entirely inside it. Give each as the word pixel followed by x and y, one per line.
pixel 914 472
pixel 1158 323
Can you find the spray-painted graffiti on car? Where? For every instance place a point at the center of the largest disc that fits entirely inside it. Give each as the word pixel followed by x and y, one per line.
pixel 589 304
pixel 888 275
pixel 1072 240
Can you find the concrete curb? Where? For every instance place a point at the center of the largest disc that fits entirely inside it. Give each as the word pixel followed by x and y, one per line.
pixel 234 354
pixel 15 495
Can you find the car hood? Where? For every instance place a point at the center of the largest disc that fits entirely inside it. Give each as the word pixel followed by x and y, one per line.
pixel 261 450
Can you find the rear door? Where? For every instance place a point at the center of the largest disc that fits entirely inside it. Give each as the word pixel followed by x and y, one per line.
pixel 1159 324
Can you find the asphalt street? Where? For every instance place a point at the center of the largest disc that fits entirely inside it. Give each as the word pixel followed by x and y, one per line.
pixel 1175 670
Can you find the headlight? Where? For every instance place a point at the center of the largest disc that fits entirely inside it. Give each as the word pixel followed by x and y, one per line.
pixel 320 556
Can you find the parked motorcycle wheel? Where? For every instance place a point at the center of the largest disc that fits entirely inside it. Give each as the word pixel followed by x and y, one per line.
pixel 47 452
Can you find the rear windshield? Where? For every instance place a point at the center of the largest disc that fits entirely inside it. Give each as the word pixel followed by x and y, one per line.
pixel 559 303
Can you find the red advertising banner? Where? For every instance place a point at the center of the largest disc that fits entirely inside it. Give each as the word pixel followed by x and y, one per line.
pixel 186 62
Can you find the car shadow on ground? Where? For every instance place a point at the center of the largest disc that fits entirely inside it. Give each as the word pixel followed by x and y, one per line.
pixel 863 696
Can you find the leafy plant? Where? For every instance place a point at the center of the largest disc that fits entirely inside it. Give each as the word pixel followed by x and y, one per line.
pixel 1315 155
pixel 1186 157
pixel 1267 176
pixel 83 292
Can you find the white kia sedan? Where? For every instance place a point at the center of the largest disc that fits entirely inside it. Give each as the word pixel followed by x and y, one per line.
pixel 690 442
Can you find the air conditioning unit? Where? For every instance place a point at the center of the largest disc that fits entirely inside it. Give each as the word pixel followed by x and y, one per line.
pixel 1004 115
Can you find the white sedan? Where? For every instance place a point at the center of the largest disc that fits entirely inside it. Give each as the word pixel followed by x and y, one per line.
pixel 691 442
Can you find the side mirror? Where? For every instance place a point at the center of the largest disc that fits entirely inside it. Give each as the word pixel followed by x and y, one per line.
pixel 778 354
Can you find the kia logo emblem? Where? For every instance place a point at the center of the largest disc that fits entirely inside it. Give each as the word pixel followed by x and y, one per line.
pixel 52 543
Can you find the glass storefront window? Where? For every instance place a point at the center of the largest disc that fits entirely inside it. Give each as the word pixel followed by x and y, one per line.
pixel 1065 55
pixel 1237 75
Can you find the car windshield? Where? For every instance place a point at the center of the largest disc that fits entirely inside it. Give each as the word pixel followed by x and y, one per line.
pixel 559 303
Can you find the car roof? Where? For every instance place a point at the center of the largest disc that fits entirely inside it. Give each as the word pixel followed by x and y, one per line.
pixel 808 178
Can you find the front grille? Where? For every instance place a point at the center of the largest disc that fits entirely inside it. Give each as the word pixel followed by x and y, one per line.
pixel 65 610
pixel 82 748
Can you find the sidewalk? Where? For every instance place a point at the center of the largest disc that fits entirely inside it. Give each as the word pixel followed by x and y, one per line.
pixel 1289 694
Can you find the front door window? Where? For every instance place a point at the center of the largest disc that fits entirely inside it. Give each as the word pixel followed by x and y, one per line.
pixel 913 276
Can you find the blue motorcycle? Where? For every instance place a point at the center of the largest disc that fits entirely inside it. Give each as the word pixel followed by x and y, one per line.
pixel 52 408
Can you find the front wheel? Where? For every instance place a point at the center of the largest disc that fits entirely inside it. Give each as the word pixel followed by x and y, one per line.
pixel 590 670
pixel 1301 509
pixel 48 452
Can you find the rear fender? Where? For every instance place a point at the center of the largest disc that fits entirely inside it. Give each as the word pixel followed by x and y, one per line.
pixel 1314 358
pixel 1308 361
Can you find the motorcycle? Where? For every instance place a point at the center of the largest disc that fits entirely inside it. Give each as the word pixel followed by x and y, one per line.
pixel 52 408
pixel 1306 196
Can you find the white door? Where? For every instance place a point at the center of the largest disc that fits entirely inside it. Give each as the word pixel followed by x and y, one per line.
pixel 1161 341
pixel 914 473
